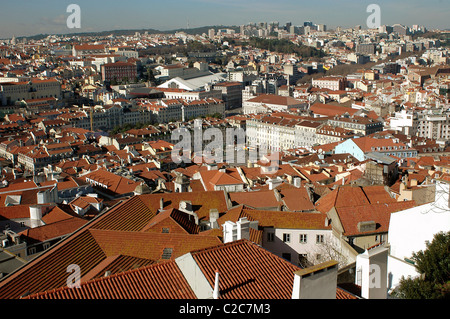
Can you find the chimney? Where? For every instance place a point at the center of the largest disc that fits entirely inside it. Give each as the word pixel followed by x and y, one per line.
pixel 161 204
pixel 213 216
pixel 216 292
pixel 229 232
pixel 35 215
pixel 186 207
pixel 243 228
pixel 371 272
pixel 316 282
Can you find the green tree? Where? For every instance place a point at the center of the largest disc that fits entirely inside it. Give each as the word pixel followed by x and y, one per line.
pixel 433 265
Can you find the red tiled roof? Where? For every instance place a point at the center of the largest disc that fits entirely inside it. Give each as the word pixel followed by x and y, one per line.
pixel 256 199
pixel 274 99
pixel 114 183
pixel 343 196
pixel 174 220
pixel 350 216
pixel 53 230
pixel 160 281
pixel 202 202
pixel 288 220
pixel 241 273
pixel 149 245
pixel 49 270
pixel 14 212
pixel 331 110
pixel 297 199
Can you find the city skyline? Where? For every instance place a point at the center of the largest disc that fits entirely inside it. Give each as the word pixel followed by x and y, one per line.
pixel 27 18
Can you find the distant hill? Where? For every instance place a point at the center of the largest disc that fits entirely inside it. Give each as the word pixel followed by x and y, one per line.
pixel 191 31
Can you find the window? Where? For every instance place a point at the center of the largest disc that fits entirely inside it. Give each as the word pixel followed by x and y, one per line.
pixel 286 256
pixel 167 253
pixel 303 238
pixel 165 230
pixel 287 238
pixel 31 250
pixel 319 239
pixel 302 260
pixel 270 237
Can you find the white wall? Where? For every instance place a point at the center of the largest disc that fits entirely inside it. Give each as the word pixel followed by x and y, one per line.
pixel 371 273
pixel 279 247
pixel 409 229
pixel 398 268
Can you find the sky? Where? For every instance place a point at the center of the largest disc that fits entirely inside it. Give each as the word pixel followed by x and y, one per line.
pixel 31 17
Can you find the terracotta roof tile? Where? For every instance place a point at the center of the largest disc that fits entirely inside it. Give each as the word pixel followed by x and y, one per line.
pixel 202 202
pixel 53 230
pixel 149 245
pixel 49 270
pixel 350 216
pixel 241 275
pixel 255 199
pixel 174 220
pixel 160 281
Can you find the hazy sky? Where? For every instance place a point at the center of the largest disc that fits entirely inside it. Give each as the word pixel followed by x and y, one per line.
pixel 30 17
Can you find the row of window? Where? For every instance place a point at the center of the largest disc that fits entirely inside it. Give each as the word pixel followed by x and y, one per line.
pixel 303 238
pixel 302 258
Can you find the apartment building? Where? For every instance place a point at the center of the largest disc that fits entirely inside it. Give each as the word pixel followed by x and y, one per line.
pixel 12 92
pixel 272 133
pixel 328 134
pixel 271 102
pixel 173 93
pixel 168 110
pixel 231 94
pixel 37 157
pixel 119 71
pixel 334 83
pixel 359 147
pixel 365 48
pixel 278 133
pixel 358 124
pixel 88 49
pixel 432 124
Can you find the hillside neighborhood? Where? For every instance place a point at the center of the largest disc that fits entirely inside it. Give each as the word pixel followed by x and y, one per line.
pixel 344 166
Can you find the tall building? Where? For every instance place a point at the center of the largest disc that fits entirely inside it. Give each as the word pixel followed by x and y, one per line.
pixel 365 48
pixel 330 82
pixel 119 71
pixel 11 92
pixel 288 26
pixel 400 29
pixel 321 27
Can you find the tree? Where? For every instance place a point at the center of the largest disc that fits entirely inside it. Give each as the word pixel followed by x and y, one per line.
pixel 433 265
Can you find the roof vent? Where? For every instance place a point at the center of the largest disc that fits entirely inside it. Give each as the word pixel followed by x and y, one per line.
pixel 216 292
pixel 367 226
pixel 167 253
